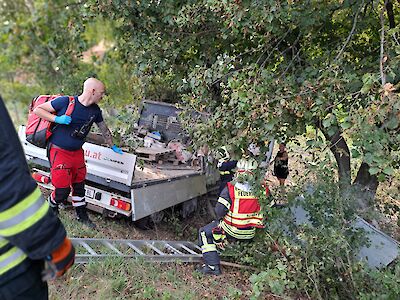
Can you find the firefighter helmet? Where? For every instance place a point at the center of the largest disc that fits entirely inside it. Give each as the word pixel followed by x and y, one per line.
pixel 247 165
pixel 254 149
pixel 223 154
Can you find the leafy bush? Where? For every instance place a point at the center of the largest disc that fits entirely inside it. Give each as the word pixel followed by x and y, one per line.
pixel 318 257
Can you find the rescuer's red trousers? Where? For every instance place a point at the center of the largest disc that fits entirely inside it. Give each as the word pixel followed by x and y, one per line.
pixel 68 170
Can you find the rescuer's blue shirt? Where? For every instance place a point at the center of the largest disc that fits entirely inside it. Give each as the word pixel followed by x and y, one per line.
pixel 71 137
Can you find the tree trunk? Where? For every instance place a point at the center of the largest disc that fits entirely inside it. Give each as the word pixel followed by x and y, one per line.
pixel 341 151
pixel 366 185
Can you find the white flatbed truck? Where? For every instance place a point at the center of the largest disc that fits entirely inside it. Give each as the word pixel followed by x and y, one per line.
pixel 117 185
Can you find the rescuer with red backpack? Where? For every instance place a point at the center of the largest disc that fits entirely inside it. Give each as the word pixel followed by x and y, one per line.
pixel 65 153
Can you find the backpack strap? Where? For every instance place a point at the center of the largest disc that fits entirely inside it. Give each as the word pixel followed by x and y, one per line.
pixel 71 106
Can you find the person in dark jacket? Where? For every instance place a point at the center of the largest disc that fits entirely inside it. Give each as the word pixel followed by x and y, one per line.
pixel 30 233
pixel 226 167
pixel 281 169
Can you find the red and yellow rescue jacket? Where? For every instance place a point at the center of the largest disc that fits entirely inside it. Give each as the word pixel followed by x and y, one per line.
pixel 244 212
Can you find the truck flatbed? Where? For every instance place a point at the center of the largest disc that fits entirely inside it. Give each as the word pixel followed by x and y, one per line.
pixel 149 173
pixel 114 178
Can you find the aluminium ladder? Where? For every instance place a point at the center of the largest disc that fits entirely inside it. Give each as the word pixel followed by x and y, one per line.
pixel 149 250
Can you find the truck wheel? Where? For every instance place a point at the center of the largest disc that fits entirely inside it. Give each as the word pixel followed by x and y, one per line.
pixel 157 217
pixel 189 207
pixel 145 223
pixel 148 222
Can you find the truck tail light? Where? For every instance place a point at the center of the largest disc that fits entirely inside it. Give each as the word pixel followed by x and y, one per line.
pixel 120 204
pixel 40 177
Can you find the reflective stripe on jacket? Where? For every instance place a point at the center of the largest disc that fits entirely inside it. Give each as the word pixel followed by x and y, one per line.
pixel 238 233
pixel 23 214
pixel 15 220
pixel 10 256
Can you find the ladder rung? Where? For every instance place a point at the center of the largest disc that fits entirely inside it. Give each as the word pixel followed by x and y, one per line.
pixel 187 249
pixel 197 247
pixel 111 246
pixel 136 249
pixel 88 248
pixel 173 249
pixel 154 248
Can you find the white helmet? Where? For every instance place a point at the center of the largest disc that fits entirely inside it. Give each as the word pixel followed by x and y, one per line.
pixel 246 165
pixel 254 149
pixel 223 153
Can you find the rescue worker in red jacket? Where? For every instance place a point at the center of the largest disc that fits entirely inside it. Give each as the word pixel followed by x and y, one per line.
pixel 30 233
pixel 66 156
pixel 238 215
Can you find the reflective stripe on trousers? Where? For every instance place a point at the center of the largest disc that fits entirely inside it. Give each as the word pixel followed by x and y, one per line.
pixel 206 247
pixel 78 201
pixel 206 242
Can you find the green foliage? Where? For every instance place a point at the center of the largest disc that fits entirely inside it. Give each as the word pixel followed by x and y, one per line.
pixel 54 38
pixel 233 293
pixel 98 29
pixel 274 280
pixel 123 88
pixel 316 258
pixel 276 67
pixel 380 284
pixel 45 39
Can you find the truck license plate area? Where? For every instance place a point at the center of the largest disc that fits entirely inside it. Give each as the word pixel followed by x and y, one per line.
pixel 89 193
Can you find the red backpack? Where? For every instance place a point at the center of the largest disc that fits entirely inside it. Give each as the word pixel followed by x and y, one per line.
pixel 38 130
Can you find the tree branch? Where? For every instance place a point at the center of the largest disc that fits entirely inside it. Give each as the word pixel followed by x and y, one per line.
pixel 273 50
pixel 390 14
pixel 294 56
pixel 382 51
pixel 351 32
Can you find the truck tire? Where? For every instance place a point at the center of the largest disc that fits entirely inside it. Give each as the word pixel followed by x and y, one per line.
pixel 145 223
pixel 189 207
pixel 148 222
pixel 157 217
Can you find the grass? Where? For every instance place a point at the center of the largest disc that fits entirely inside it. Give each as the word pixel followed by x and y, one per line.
pixel 120 279
pixel 116 278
